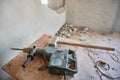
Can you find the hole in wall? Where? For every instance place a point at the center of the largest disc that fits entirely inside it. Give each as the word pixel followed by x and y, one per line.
pixel 44 2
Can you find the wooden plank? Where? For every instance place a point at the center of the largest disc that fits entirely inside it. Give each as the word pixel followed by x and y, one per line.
pixel 76 43
pixel 31 72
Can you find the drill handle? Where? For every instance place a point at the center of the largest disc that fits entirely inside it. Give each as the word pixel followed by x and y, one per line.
pixel 30 56
pixel 73 62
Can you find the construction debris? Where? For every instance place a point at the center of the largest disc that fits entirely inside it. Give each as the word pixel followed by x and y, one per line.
pixel 68 29
pixel 94 64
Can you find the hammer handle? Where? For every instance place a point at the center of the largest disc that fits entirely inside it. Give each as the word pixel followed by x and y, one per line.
pixel 86 45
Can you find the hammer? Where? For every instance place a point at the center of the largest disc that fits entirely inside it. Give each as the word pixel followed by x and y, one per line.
pixel 56 40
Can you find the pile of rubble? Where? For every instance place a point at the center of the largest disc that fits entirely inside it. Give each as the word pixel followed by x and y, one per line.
pixel 69 29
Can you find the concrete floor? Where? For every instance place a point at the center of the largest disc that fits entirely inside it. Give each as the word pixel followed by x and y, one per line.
pixel 87 58
pixel 21 23
pixel 86 69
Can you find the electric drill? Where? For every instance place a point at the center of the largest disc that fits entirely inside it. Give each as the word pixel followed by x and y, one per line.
pixel 59 61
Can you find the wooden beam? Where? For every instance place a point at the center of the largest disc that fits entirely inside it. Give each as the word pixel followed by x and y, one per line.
pixel 85 45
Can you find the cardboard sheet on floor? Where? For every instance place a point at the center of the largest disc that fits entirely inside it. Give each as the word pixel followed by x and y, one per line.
pixel 31 72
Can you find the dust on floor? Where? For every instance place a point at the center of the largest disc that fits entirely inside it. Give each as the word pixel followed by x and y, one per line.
pixel 94 64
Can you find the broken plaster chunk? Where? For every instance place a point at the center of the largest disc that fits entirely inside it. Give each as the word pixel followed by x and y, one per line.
pixel 68 35
pixel 70 31
pixel 71 25
pixel 85 29
pixel 75 29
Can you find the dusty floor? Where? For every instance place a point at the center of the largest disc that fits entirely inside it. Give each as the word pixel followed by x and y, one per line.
pixel 94 64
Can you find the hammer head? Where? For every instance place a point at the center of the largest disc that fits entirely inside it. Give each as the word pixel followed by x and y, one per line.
pixel 53 41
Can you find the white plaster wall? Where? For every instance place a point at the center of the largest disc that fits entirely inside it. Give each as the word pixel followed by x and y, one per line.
pixel 95 14
pixel 21 23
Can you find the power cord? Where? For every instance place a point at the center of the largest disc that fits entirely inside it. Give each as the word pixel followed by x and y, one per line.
pixel 115 58
pixel 103 64
pixel 110 77
pixel 98 69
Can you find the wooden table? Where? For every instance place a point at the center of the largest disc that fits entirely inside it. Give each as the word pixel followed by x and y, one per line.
pixel 31 72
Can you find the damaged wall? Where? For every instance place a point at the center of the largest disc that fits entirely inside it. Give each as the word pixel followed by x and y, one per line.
pixel 21 23
pixel 55 4
pixel 97 15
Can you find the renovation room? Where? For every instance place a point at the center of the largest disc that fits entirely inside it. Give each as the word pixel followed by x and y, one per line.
pixel 60 39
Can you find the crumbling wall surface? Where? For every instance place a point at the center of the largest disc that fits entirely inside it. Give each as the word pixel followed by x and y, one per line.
pixel 55 4
pixel 21 23
pixel 95 14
